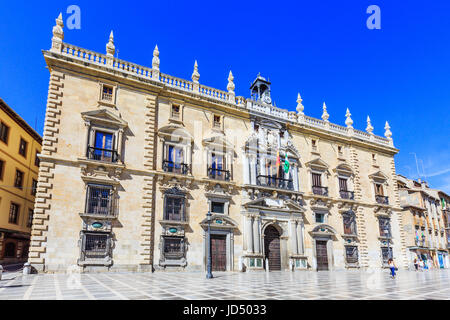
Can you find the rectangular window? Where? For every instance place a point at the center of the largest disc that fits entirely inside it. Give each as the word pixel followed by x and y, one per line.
pixel 103 146
pixel 173 247
pixel 14 213
pixel 2 167
pixel 351 254
pixel 96 246
pixel 218 207
pixel 33 187
pixel 217 122
pixel 314 145
pixel 4 132
pixel 317 179
pixel 100 200
pixel 175 111
pixel 385 227
pixel 217 165
pixel 30 218
pixel 349 223
pixel 343 184
pixel 379 189
pixel 174 208
pixel 174 160
pixel 18 181
pixel 107 93
pixel 320 217
pixel 23 147
pixel 36 159
pixel 340 150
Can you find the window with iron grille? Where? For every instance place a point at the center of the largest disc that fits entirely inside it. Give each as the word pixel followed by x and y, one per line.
pixel 4 132
pixel 317 179
pixel 217 121
pixel 173 247
pixel 175 111
pixel 100 200
pixel 343 184
pixel 351 254
pixel 23 147
pixel 14 213
pixel 30 218
pixel 18 181
pixel 174 208
pixel 107 93
pixel 96 246
pixel 385 227
pixel 33 187
pixel 349 223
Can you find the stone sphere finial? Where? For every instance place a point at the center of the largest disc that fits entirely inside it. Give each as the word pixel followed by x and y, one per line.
pixel 300 106
pixel 349 120
pixel 110 48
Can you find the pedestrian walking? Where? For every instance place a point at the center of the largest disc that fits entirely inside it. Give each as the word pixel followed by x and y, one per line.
pixel 393 267
pixel 416 264
pixel 421 265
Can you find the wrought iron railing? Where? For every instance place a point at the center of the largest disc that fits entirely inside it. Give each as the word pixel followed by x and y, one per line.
pixel 174 167
pixel 274 182
pixel 382 199
pixel 350 195
pixel 320 191
pixel 107 155
pixel 219 174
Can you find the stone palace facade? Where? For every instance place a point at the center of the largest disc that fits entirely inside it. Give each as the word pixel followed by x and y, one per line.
pixel 133 159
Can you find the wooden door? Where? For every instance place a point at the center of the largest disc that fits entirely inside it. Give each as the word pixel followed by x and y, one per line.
pixel 322 255
pixel 219 252
pixel 272 248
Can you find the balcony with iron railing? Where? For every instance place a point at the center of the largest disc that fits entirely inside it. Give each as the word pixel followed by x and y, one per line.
pixel 100 203
pixel 175 167
pixel 219 174
pixel 320 191
pixel 275 182
pixel 381 199
pixel 106 155
pixel 345 194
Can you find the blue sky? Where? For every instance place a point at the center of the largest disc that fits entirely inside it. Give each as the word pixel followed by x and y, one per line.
pixel 321 49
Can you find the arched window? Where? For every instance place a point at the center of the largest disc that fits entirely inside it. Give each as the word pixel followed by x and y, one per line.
pixel 10 250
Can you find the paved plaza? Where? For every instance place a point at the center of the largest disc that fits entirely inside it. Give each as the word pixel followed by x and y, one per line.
pixel 309 285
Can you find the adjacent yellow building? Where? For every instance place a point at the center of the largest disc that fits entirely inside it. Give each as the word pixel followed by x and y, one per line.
pixel 19 164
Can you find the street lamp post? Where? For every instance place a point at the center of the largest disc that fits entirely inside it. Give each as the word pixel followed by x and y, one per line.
pixel 209 264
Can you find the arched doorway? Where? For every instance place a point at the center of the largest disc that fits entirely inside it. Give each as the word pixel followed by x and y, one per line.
pixel 272 248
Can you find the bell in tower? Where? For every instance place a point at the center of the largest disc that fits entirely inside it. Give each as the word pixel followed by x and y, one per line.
pixel 260 90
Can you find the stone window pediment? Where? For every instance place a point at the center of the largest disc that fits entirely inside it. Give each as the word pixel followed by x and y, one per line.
pixel 106 117
pixel 317 164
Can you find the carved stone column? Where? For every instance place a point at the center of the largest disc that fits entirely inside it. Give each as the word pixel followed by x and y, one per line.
pixel 294 241
pixel 256 235
pixel 249 232
pixel 246 170
pixel 300 245
pixel 119 144
pixel 253 170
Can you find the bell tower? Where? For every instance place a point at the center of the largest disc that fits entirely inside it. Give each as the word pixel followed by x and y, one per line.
pixel 260 90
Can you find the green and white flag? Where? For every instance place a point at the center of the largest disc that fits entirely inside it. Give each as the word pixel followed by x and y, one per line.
pixel 286 164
